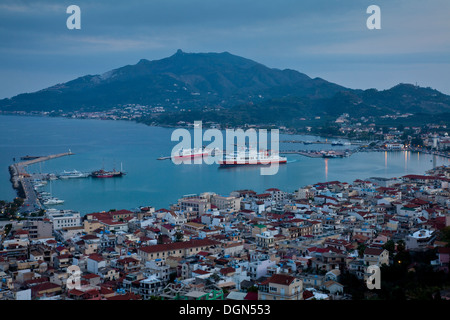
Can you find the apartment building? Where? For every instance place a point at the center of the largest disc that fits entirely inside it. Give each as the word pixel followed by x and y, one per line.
pixel 281 287
pixel 176 249
pixel 64 218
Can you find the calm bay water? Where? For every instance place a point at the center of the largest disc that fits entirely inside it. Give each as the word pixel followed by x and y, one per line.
pixel 159 183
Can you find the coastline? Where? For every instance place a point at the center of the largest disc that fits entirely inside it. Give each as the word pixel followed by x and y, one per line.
pixel 176 194
pixel 167 126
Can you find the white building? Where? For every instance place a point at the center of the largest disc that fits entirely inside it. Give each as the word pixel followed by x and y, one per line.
pixel 64 218
pixel 151 286
pixel 419 240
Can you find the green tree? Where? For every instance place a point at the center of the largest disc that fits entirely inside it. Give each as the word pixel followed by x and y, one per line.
pixel 361 248
pixel 390 246
pixel 179 236
pixel 400 245
pixel 417 141
pixel 444 235
pixel 253 288
pixel 8 228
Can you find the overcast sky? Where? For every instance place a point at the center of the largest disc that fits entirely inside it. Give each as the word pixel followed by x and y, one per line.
pixel 322 38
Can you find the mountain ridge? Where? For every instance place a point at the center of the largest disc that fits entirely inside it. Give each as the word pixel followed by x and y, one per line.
pixel 223 80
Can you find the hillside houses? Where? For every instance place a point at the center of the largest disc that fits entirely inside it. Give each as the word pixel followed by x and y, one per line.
pixel 286 245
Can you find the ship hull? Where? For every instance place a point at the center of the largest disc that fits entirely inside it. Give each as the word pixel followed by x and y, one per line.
pixel 105 174
pixel 233 163
pixel 192 156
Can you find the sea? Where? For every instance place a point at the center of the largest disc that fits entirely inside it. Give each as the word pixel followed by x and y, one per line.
pixel 135 149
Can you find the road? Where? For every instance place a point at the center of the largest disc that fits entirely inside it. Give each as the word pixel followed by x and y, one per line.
pixel 21 179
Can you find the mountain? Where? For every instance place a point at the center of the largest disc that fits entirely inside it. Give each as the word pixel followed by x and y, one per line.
pixel 183 80
pixel 243 90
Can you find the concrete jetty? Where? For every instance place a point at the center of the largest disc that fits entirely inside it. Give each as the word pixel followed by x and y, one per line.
pixel 23 183
pixel 45 158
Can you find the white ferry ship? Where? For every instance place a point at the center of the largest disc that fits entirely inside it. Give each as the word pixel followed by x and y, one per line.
pixel 73 174
pixel 190 153
pixel 252 157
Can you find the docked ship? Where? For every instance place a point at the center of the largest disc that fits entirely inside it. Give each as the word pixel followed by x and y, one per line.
pixel 107 174
pixel 73 174
pixel 190 153
pixel 340 143
pixel 53 201
pixel 251 157
pixel 334 154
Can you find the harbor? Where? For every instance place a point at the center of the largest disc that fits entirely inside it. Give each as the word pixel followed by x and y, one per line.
pixel 306 153
pixel 149 181
pixel 319 154
pixel 333 143
pixel 25 184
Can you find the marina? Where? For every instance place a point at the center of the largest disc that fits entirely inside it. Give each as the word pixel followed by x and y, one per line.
pixel 319 154
pixel 26 183
pixel 333 142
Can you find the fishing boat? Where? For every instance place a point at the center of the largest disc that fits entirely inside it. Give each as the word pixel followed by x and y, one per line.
pixel 107 174
pixel 102 173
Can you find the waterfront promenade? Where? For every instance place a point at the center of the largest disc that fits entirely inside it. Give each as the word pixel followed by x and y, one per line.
pixel 23 182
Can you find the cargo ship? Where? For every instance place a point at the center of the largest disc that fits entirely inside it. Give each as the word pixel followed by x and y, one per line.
pixel 249 157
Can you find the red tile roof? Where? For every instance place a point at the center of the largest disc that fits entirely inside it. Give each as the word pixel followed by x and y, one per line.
pixel 90 276
pixel 127 296
pixel 228 270
pixel 251 296
pixel 373 251
pixel 282 279
pixel 178 245
pixel 200 271
pixel 96 257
